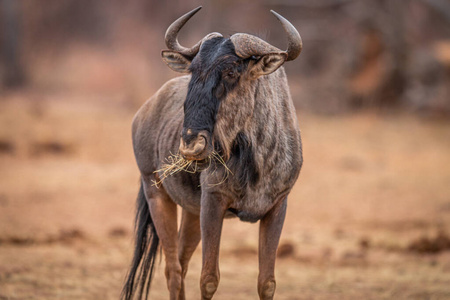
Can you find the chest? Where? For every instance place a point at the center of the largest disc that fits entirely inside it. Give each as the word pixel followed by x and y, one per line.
pixel 252 184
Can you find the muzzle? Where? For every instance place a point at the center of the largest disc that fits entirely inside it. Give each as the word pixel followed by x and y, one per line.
pixel 195 145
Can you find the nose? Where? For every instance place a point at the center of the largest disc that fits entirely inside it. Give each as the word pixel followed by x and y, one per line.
pixel 196 145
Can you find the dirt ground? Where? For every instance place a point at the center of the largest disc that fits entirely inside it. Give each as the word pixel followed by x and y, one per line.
pixel 369 217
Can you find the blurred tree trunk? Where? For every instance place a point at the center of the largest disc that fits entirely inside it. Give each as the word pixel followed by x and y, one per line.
pixel 13 71
pixel 394 87
pixel 379 76
pixel 441 6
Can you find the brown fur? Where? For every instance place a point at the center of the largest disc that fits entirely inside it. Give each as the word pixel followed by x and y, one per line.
pixel 263 111
pixel 255 131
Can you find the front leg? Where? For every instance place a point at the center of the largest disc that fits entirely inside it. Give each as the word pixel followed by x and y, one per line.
pixel 211 219
pixel 269 236
pixel 188 239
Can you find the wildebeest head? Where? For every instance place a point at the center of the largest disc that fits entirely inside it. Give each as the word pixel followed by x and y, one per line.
pixel 219 66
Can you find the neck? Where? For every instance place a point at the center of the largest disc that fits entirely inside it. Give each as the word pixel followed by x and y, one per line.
pixel 235 115
pixel 270 137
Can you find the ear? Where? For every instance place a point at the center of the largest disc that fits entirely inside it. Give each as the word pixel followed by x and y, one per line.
pixel 267 64
pixel 176 61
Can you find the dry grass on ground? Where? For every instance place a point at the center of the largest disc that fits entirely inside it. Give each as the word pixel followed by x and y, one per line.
pixel 368 218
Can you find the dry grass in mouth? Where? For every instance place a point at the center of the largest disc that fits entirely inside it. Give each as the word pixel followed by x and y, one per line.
pixel 176 163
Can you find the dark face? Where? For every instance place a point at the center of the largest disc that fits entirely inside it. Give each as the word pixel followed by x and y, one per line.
pixel 216 70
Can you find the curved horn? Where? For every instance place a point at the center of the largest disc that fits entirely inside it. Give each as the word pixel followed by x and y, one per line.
pixel 294 38
pixel 172 33
pixel 247 45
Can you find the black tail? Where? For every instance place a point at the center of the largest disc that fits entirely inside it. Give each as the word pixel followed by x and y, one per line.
pixel 146 246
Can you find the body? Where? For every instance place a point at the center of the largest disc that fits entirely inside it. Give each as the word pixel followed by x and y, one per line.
pixel 233 121
pixel 265 162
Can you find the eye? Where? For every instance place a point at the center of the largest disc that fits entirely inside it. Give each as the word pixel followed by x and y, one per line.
pixel 231 74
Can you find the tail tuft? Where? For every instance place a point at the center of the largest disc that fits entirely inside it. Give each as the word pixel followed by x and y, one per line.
pixel 146 248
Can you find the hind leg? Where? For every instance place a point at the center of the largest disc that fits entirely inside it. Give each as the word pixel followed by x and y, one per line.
pixel 188 239
pixel 164 214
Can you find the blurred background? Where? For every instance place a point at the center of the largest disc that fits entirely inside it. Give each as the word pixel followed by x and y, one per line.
pixel 369 215
pixel 358 54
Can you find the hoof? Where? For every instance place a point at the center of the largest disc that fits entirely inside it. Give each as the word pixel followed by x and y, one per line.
pixel 268 290
pixel 209 289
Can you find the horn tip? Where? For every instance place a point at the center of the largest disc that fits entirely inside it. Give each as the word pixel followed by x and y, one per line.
pixel 295 40
pixel 279 17
pixel 275 13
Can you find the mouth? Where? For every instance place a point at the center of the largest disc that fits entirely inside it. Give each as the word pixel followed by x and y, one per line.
pixel 176 163
pixel 199 158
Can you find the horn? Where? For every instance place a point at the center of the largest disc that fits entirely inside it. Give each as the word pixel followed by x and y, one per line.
pixel 247 45
pixel 294 39
pixel 172 33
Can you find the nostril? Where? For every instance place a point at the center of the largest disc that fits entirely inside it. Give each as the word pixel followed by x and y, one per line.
pixel 196 146
pixel 202 136
pixel 201 142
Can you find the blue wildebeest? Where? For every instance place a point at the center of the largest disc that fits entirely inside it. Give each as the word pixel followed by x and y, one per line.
pixel 233 114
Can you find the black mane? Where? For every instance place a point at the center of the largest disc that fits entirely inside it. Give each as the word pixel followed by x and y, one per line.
pixel 209 85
